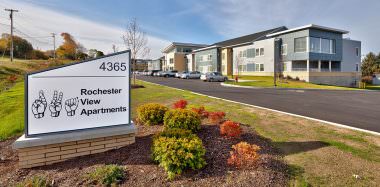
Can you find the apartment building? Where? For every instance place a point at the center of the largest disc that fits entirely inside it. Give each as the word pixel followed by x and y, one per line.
pixel 175 55
pixel 220 56
pixel 311 53
pixel 156 64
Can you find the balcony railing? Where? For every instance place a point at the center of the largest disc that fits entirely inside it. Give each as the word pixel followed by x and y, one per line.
pixel 317 70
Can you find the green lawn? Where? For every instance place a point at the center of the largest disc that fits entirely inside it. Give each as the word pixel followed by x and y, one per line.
pixel 267 82
pixel 12 111
pixel 318 154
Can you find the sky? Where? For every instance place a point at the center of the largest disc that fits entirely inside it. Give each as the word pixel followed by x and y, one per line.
pixel 100 24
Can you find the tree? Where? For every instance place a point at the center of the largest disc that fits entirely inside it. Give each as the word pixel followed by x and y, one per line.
pixel 70 49
pixel 93 53
pixel 99 54
pixel 22 48
pixel 370 64
pixel 135 40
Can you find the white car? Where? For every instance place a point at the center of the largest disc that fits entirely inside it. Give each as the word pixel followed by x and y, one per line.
pixel 213 76
pixel 191 75
pixel 179 74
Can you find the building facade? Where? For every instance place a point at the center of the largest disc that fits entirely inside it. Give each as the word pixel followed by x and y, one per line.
pixel 319 55
pixel 175 55
pixel 155 64
pixel 311 53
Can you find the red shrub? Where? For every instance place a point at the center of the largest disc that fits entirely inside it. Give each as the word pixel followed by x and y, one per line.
pixel 244 155
pixel 216 117
pixel 12 78
pixel 230 129
pixel 201 111
pixel 180 104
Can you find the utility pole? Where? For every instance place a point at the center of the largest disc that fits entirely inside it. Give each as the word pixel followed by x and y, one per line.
pixel 53 35
pixel 11 16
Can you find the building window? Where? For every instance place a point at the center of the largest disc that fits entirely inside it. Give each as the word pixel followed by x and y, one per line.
pixel 251 67
pixel 257 52
pixel 325 45
pixel 209 57
pixel 284 49
pixel 245 53
pixel 300 44
pixel 315 44
pixel 251 53
pixel 333 46
pixel 357 67
pixel 261 51
pixel 357 51
pixel 261 67
pixel 171 61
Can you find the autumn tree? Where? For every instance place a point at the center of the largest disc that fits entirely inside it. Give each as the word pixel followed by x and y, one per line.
pixel 70 49
pixel 94 53
pixel 22 48
pixel 135 40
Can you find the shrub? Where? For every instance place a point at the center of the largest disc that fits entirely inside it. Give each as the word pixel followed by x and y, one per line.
pixel 151 113
pixel 201 112
pixel 289 77
pixel 174 133
pixel 177 154
pixel 36 181
pixel 216 117
pixel 182 119
pixel 107 175
pixel 367 79
pixel 181 104
pixel 244 155
pixel 230 129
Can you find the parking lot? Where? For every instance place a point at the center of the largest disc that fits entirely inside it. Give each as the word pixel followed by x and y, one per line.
pixel 360 109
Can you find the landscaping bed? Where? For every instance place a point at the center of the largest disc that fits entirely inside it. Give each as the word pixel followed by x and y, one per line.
pixel 142 171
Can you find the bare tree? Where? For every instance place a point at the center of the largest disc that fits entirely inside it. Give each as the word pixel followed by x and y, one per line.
pixel 135 39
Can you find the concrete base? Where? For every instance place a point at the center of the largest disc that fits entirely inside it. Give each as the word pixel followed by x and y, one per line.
pixel 49 149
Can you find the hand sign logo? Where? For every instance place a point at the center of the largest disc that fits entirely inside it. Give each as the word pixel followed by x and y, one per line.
pixel 71 105
pixel 39 106
pixel 56 104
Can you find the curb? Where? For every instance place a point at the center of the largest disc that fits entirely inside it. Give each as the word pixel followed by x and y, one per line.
pixel 278 111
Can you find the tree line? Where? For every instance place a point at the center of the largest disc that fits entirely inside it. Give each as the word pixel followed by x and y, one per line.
pixel 23 49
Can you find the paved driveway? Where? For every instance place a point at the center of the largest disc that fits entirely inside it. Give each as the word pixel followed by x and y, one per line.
pixel 360 109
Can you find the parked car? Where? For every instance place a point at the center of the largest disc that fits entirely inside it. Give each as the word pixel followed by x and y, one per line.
pixel 213 76
pixel 178 75
pixel 169 73
pixel 151 73
pixel 191 75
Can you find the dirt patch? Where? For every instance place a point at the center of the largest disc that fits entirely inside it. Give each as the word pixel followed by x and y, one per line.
pixel 141 171
pixel 135 86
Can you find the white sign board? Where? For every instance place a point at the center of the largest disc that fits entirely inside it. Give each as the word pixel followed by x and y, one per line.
pixel 84 95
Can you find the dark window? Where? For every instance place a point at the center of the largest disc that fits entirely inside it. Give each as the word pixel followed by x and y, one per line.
pixel 300 44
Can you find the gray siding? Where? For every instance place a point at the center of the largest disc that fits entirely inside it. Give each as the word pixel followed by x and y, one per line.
pixel 291 55
pixel 350 59
pixel 214 62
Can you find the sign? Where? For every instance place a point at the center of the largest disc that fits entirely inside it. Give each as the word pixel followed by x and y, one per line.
pixel 78 96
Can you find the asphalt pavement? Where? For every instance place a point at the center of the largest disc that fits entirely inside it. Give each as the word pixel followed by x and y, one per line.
pixel 360 109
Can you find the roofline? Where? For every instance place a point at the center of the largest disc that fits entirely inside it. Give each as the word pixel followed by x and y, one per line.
pixel 173 44
pixel 206 48
pixel 309 27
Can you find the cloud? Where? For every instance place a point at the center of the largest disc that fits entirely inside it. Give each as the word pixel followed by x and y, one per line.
pixel 233 18
pixel 37 21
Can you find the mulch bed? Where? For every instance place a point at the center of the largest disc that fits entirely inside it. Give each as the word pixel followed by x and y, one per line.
pixel 142 171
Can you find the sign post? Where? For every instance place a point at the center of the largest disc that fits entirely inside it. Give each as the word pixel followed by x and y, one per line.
pixel 87 101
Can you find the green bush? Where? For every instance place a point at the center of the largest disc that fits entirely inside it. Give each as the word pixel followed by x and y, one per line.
pixel 151 113
pixel 107 175
pixel 177 150
pixel 183 119
pixel 36 181
pixel 175 133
